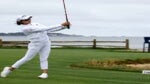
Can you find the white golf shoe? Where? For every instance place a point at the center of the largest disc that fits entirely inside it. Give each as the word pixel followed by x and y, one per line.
pixel 43 76
pixel 5 72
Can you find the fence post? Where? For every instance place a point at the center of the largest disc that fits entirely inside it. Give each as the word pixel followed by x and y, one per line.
pixel 1 42
pixel 94 43
pixel 127 43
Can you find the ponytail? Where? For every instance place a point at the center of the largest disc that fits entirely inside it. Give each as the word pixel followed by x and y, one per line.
pixel 18 23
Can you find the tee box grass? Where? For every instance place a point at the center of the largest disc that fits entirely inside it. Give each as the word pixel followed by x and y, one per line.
pixel 60 71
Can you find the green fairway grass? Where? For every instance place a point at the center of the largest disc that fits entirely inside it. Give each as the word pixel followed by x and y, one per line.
pixel 60 71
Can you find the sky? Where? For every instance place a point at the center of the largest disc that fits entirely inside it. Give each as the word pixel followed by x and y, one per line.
pixel 88 17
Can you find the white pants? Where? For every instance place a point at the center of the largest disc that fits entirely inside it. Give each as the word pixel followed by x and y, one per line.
pixel 43 48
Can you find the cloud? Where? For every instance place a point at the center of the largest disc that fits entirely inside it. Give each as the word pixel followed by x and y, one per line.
pixel 96 17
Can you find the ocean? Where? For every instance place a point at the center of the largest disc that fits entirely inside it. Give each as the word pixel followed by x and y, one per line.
pixel 134 42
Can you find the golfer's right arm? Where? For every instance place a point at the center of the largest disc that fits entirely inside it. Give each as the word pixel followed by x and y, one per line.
pixel 55 28
pixel 58 27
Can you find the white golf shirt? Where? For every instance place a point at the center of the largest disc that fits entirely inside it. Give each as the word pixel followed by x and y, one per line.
pixel 39 43
pixel 37 32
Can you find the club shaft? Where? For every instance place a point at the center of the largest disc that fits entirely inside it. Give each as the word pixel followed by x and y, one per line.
pixel 65 12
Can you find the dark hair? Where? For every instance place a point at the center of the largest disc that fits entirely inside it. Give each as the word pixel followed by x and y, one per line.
pixel 18 22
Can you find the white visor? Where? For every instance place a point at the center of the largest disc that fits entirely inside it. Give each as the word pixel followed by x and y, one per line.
pixel 24 17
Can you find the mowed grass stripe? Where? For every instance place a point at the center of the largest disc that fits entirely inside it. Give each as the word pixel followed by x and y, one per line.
pixel 60 71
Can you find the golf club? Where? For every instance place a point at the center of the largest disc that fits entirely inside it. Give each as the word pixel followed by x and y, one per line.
pixel 66 13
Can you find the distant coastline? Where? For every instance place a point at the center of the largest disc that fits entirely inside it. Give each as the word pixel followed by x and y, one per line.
pixel 49 34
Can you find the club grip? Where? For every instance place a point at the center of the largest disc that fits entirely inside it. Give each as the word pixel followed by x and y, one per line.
pixel 68 22
pixel 68 26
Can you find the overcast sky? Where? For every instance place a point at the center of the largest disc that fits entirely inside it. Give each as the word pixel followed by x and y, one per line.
pixel 88 17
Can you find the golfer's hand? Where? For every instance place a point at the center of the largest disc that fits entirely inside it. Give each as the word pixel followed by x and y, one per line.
pixel 67 24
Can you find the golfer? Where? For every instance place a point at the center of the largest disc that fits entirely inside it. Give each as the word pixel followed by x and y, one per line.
pixel 39 43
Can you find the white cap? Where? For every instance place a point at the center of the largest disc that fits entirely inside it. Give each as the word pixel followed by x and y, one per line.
pixel 23 17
